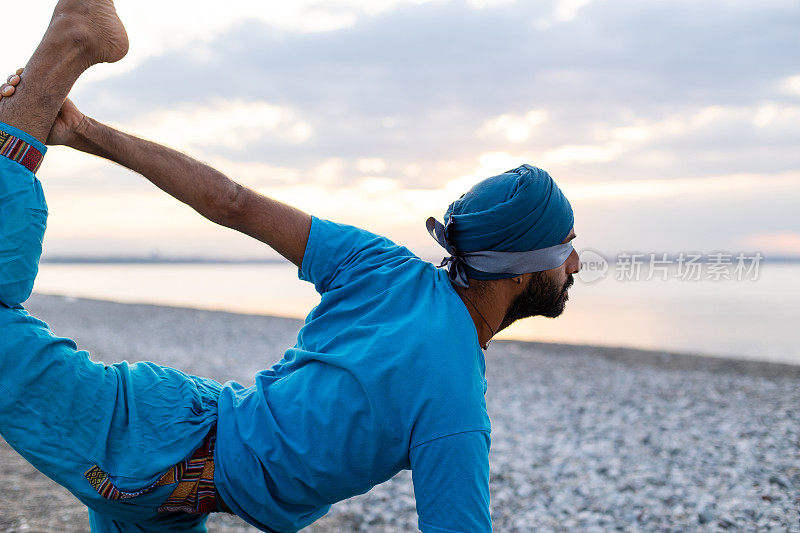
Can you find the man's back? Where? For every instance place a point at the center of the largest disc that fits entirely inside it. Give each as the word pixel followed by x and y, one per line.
pixel 387 374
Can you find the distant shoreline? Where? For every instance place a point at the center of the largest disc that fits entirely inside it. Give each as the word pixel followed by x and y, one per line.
pixel 673 360
pixel 157 260
pixel 663 359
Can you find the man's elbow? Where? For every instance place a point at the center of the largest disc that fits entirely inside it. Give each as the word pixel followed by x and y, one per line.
pixel 228 206
pixel 16 293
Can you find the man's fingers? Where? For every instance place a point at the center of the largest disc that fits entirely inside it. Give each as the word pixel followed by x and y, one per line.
pixel 9 88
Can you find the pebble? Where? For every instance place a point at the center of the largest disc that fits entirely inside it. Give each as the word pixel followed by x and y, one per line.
pixel 580 441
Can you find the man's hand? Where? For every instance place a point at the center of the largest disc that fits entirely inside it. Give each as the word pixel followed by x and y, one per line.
pixel 67 122
pixel 8 89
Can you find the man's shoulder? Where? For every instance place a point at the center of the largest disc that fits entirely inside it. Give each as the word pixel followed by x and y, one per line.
pixel 365 237
pixel 339 255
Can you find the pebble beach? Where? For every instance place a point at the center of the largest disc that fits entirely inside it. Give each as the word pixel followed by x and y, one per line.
pixel 584 438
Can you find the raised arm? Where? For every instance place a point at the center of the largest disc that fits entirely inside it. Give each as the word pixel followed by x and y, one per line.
pixel 206 190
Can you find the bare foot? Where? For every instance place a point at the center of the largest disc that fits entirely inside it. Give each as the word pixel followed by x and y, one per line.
pixel 81 33
pixel 94 26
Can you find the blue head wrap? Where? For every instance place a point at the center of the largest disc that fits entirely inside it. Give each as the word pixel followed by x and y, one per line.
pixel 505 226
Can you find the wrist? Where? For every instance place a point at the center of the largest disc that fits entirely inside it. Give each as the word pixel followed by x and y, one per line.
pixel 82 134
pixel 81 130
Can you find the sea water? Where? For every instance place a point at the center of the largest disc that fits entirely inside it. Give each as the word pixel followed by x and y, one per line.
pixel 752 318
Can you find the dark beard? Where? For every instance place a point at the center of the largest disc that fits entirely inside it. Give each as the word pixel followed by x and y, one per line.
pixel 542 297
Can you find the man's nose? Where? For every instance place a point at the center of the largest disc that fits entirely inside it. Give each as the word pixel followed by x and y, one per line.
pixel 574 263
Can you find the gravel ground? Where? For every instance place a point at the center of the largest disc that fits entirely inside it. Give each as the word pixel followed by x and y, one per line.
pixel 583 438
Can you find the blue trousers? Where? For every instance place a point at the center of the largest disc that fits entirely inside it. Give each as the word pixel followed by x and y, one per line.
pixel 68 415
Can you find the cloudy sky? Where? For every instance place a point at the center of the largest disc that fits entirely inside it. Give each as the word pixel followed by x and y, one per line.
pixel 670 125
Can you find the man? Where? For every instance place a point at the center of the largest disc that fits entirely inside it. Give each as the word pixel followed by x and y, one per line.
pixel 387 372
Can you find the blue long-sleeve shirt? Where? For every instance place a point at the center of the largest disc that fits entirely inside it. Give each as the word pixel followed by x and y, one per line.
pixel 387 374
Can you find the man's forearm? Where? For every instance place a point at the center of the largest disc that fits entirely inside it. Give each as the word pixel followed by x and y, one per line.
pixel 196 184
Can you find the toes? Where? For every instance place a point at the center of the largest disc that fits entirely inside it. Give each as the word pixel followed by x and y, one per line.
pixel 19 71
pixel 7 90
pixel 14 80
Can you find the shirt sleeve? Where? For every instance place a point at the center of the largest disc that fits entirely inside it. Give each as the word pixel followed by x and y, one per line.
pixel 23 218
pixel 339 253
pixel 451 483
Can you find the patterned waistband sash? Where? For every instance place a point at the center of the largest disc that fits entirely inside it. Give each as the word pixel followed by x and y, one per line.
pixel 196 492
pixel 18 150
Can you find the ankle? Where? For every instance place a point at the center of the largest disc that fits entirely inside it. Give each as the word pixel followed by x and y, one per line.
pixel 71 37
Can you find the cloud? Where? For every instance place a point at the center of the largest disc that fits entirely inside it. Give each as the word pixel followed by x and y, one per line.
pixel 415 84
pixel 784 243
pixel 371 165
pixel 625 101
pixel 720 187
pixel 563 11
pixel 183 23
pixel 791 85
pixel 515 128
pixel 231 124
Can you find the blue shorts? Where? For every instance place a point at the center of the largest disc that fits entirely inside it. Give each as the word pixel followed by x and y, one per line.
pixel 110 434
pixel 73 418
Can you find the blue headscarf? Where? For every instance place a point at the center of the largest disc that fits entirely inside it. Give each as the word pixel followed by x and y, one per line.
pixel 518 211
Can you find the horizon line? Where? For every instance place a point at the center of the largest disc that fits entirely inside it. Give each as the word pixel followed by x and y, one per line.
pixel 157 259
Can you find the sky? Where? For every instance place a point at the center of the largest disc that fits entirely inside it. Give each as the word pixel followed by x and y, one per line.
pixel 670 126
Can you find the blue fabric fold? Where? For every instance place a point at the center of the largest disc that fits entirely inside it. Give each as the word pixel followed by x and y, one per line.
pixel 23 220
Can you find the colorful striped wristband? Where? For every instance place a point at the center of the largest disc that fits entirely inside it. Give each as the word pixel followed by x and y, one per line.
pixel 18 150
